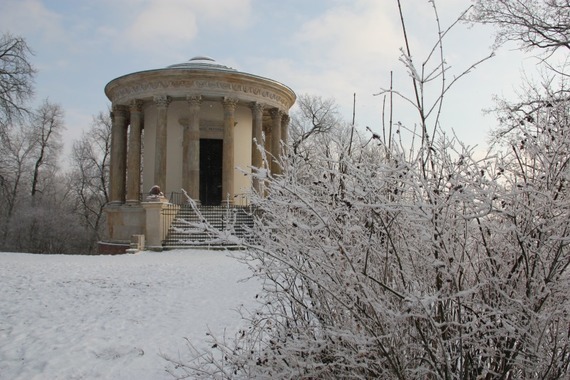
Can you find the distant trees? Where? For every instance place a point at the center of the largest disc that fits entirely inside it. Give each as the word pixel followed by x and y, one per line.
pixel 45 132
pixel 426 262
pixel 314 116
pixel 16 88
pixel 89 176
pixel 30 175
pixel 45 209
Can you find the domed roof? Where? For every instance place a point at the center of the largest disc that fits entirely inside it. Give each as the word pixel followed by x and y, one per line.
pixel 200 76
pixel 201 62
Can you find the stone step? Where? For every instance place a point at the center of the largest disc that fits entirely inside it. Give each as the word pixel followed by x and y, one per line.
pixel 187 228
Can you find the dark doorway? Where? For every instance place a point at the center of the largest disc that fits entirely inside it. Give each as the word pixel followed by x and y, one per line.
pixel 211 155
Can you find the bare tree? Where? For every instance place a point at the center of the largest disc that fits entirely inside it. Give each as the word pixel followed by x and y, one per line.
pixel 46 127
pixel 90 175
pixel 29 154
pixel 16 77
pixel 16 147
pixel 314 116
pixel 543 24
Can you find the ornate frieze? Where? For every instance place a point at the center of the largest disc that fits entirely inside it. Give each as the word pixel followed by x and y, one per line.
pixel 145 88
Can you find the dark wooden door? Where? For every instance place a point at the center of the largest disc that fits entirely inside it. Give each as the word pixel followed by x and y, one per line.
pixel 211 156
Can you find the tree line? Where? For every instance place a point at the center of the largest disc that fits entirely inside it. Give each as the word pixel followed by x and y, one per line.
pixel 45 208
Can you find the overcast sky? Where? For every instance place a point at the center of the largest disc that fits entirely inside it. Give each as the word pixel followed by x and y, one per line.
pixel 329 48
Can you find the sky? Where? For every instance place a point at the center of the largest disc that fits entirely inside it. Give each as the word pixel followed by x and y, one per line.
pixel 327 48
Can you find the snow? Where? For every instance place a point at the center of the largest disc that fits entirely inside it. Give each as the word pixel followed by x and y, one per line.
pixel 112 317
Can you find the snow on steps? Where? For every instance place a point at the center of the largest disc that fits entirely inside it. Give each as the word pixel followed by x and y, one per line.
pixel 219 227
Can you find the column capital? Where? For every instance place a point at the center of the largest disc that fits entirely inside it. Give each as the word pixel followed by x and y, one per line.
pixel 285 118
pixel 194 100
pixel 136 105
pixel 119 110
pixel 276 113
pixel 257 107
pixel 162 101
pixel 229 103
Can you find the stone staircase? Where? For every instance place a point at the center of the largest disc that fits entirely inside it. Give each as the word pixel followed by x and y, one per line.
pixel 218 227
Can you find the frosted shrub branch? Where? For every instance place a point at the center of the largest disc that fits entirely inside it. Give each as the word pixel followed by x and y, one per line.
pixel 397 262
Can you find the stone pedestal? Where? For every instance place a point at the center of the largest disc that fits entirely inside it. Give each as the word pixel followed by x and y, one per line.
pixel 157 223
pixel 123 222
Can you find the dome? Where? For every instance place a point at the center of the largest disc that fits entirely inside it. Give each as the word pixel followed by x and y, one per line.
pixel 201 62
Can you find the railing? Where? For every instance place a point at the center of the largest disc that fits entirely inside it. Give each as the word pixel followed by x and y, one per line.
pixel 169 213
pixel 177 198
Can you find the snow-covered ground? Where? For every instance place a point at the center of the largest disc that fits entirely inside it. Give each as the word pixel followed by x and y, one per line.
pixel 111 317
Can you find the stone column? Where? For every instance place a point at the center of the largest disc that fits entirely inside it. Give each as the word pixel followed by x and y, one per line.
pixel 276 115
pixel 228 150
pixel 162 103
pixel 257 139
pixel 134 153
pixel 119 117
pixel 191 150
pixel 267 144
pixel 285 132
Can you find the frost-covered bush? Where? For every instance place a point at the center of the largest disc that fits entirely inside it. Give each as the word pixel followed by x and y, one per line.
pixel 431 262
pixel 391 268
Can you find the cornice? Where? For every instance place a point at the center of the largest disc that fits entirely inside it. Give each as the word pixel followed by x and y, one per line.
pixel 246 88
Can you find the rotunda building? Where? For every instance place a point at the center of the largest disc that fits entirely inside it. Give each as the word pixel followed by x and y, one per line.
pixel 193 126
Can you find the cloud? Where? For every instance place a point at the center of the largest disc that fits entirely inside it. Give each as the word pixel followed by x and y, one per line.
pixel 30 18
pixel 352 47
pixel 364 31
pixel 160 24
